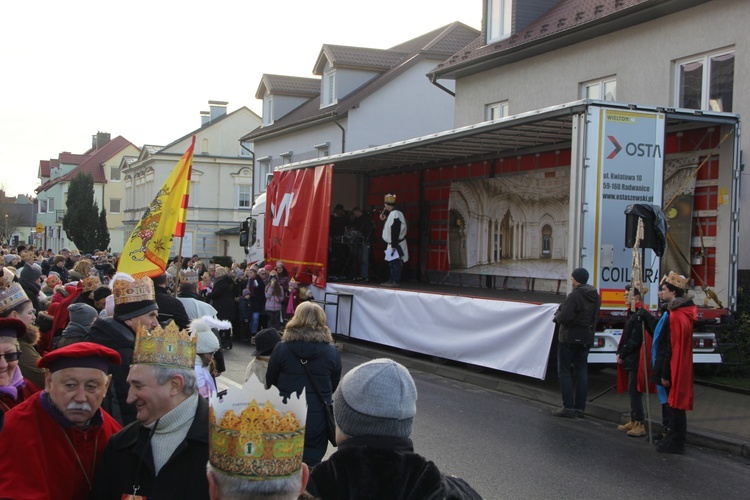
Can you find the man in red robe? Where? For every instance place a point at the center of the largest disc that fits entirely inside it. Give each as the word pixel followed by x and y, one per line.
pixel 52 441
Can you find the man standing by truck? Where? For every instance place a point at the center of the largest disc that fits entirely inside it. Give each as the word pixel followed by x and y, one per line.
pixel 576 319
pixel 394 234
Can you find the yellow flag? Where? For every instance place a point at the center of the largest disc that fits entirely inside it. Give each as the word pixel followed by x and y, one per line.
pixel 147 250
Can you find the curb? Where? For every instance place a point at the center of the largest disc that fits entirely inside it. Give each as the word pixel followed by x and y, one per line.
pixel 702 438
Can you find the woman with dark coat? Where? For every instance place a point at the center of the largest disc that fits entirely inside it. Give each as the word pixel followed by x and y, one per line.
pixel 307 339
pixel 222 298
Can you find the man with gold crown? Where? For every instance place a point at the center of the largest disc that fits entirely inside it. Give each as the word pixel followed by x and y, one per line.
pixel 672 358
pixel 158 455
pixel 256 442
pixel 394 234
pixel 135 306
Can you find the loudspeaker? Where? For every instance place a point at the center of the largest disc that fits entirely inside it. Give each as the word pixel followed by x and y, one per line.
pixel 631 229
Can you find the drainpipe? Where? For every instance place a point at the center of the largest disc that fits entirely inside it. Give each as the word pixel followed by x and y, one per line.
pixel 434 81
pixel 343 132
pixel 252 153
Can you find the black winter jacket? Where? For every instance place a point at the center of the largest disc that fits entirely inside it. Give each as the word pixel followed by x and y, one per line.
pixel 113 333
pixel 379 467
pixel 629 347
pixel 183 476
pixel 285 371
pixel 222 298
pixel 577 316
pixel 170 308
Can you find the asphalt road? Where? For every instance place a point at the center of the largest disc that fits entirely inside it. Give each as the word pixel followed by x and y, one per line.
pixel 507 447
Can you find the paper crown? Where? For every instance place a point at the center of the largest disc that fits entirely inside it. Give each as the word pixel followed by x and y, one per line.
pixel 254 435
pixel 169 347
pixel 189 277
pixel 676 280
pixel 90 284
pixel 127 292
pixel 11 293
pixel 390 198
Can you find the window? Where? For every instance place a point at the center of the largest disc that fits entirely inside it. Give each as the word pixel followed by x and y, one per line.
pixel 114 205
pixel 604 89
pixel 50 204
pixel 264 168
pixel 496 110
pixel 329 88
pixel 323 149
pixel 42 206
pixel 244 196
pixel 499 17
pixel 246 148
pixel 286 158
pixel 546 241
pixel 267 109
pixel 114 173
pixel 194 194
pixel 204 146
pixel 706 82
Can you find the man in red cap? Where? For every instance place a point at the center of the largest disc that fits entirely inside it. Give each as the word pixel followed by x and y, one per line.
pixel 59 433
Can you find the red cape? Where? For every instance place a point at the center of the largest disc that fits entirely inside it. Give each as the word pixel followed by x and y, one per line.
pixel 38 462
pixel 681 322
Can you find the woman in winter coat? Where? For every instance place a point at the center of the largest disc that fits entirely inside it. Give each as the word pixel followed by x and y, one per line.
pixel 222 298
pixel 275 298
pixel 307 340
pixel 14 388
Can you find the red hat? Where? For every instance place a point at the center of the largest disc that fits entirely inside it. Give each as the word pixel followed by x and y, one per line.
pixel 80 355
pixel 269 267
pixel 12 327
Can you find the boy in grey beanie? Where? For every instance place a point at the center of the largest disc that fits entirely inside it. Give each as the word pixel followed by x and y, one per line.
pixel 375 405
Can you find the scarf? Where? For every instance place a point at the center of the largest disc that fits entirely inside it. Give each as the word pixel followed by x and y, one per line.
pixel 16 383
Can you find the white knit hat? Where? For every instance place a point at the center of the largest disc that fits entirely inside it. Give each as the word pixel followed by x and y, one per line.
pixel 207 340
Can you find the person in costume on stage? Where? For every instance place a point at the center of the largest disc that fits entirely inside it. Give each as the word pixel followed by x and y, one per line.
pixel 394 235
pixel 267 463
pixel 672 358
pixel 135 306
pixel 159 455
pixel 60 432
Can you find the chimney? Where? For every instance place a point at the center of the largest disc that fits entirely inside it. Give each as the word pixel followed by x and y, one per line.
pixel 205 117
pixel 218 109
pixel 99 140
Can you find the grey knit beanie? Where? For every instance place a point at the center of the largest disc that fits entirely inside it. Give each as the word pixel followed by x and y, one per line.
pixel 377 398
pixel 82 314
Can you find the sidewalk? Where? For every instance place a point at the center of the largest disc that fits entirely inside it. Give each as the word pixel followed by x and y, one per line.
pixel 720 419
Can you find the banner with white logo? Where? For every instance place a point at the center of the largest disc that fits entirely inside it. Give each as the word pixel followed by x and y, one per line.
pixel 297 222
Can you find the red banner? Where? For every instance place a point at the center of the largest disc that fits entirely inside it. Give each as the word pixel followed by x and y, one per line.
pixel 297 222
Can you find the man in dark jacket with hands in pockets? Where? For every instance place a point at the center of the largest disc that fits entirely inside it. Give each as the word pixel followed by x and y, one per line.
pixel 576 319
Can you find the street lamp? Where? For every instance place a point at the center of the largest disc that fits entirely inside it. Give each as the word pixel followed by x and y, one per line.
pixel 6 228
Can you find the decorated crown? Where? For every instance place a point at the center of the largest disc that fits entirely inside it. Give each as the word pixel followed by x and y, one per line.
pixel 390 198
pixel 254 435
pixel 90 284
pixel 127 292
pixel 170 347
pixel 11 293
pixel 676 280
pixel 189 277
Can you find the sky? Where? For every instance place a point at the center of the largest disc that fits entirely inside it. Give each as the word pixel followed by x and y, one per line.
pixel 145 70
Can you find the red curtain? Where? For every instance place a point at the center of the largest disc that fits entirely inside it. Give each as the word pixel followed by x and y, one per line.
pixel 297 222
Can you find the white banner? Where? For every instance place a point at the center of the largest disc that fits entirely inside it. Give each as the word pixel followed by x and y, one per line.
pixel 509 336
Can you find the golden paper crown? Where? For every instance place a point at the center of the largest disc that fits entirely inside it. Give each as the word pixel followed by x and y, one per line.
pixel 254 435
pixel 676 280
pixel 90 284
pixel 127 292
pixel 390 198
pixel 169 347
pixel 189 277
